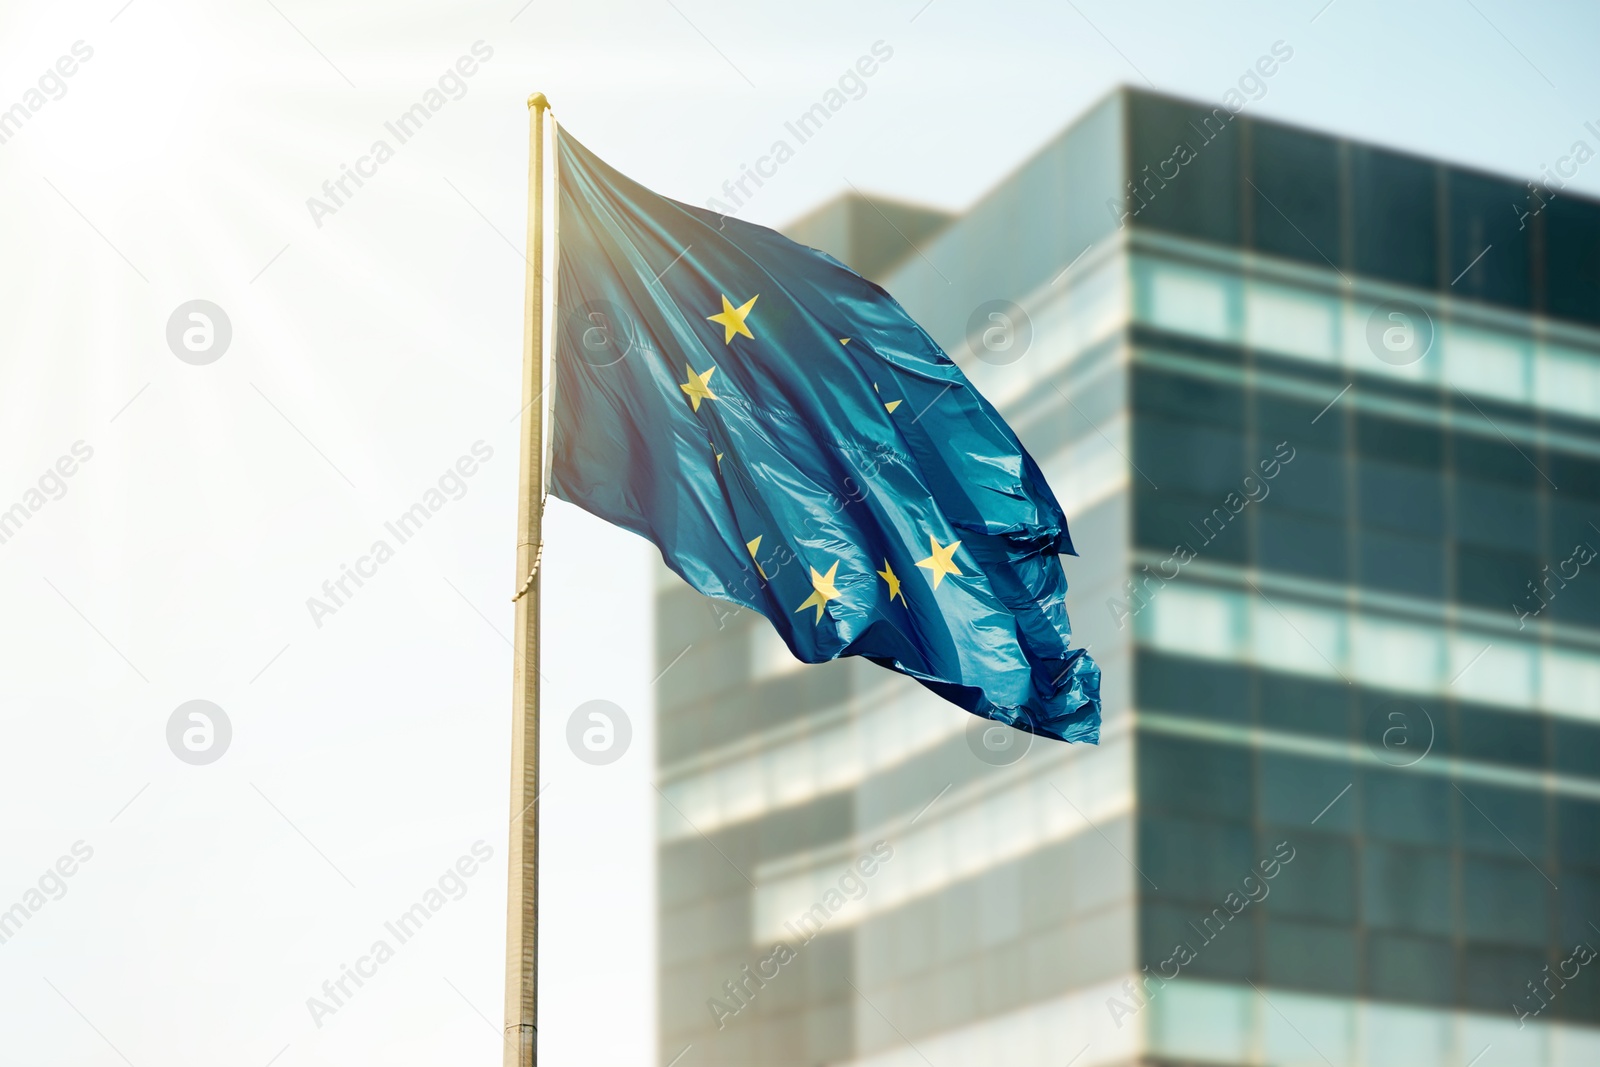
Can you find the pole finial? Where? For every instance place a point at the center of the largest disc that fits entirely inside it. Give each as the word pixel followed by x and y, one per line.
pixel 537 100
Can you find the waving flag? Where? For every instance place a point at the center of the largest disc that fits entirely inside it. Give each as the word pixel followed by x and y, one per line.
pixel 794 443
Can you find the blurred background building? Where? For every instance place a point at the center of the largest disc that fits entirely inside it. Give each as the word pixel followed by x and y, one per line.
pixel 1331 410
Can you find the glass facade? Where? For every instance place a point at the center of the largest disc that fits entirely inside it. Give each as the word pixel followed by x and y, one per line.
pixel 1347 805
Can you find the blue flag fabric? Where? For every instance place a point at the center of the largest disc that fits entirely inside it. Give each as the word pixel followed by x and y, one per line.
pixel 794 443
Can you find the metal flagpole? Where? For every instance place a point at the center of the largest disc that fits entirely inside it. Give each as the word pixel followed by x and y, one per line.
pixel 522 904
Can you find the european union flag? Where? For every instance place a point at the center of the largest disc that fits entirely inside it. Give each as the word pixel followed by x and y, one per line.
pixel 793 442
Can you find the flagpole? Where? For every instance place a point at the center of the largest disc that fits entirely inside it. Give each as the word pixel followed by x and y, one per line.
pixel 522 898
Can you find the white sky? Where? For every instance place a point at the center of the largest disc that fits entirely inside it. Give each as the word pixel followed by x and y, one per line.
pixel 367 355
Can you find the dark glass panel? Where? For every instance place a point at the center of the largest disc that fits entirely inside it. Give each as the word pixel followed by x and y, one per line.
pixel 1303 706
pixel 1399 497
pixel 1481 218
pixel 1193 687
pixel 1399 563
pixel 1572 258
pixel 1304 546
pixel 1399 442
pixel 1194 778
pixel 1406 806
pixel 1393 199
pixel 1296 790
pixel 1301 955
pixel 1295 202
pixel 1408 889
pixel 1184 165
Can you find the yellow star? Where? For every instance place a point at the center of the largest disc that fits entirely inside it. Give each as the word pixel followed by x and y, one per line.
pixel 752 546
pixel 844 340
pixel 732 318
pixel 891 405
pixel 822 591
pixel 940 563
pixel 888 575
pixel 698 386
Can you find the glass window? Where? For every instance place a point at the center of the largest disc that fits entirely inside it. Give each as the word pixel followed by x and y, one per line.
pixel 1572 258
pixel 1204 1020
pixel 1397 1036
pixel 1163 520
pixel 1397 655
pixel 1399 563
pixel 1312 482
pixel 1295 790
pixel 1196 861
pixel 1301 705
pixel 1510 822
pixel 1194 687
pixel 1319 883
pixel 1181 398
pixel 1361 357
pixel 1570 682
pixel 1281 418
pixel 1504 901
pixel 1410 968
pixel 1580 833
pixel 1485 363
pixel 1496 516
pixel 1499 736
pixel 1405 806
pixel 1312 547
pixel 1407 889
pixel 1493 672
pixel 1301 1029
pixel 1224 946
pixel 1302 955
pixel 1567 380
pixel 1575 749
pixel 1579 901
pixel 1400 497
pixel 1295 202
pixel 1189 301
pixel 1494 459
pixel 1190 458
pixel 1400 730
pixel 1494 979
pixel 1195 778
pixel 1478 221
pixel 1196 621
pixel 1297 638
pixel 1576 475
pixel 1493 579
pixel 1294 322
pixel 1393 202
pixel 1193 192
pixel 1399 442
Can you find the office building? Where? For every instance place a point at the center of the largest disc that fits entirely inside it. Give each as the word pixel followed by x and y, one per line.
pixel 1325 417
